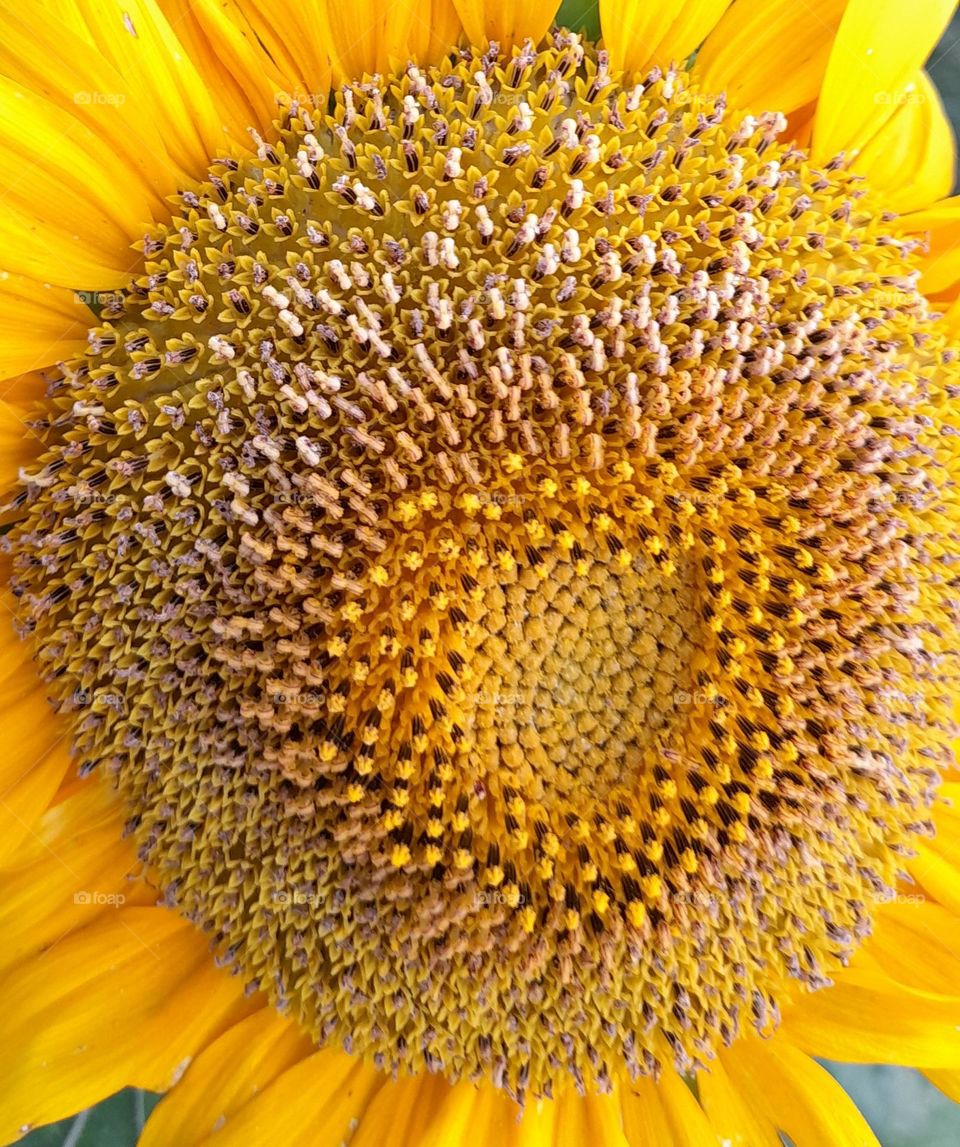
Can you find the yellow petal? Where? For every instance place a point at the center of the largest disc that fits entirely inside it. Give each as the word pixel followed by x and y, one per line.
pixel 18 678
pixel 23 802
pixel 136 37
pixel 428 1111
pixel 226 1075
pixel 939 226
pixel 507 22
pixel 299 45
pixel 951 317
pixel 948 812
pixel 941 214
pixel 233 61
pixel 449 1118
pixel 400 1112
pixel 733 1115
pixel 800 125
pixel 36 758
pixel 432 1113
pixel 797 1094
pixel 317 1101
pixel 937 875
pixel 947 1081
pixel 587 1119
pixel 71 208
pixel 936 859
pixel 644 1118
pixel 127 1001
pixel 434 32
pixel 19 445
pixel 74 866
pixel 465 1113
pixel 51 59
pixel 25 390
pixel 786 44
pixel 639 34
pixel 917 944
pixel 294 38
pixel 880 46
pixel 367 36
pixel 912 157
pixel 690 1125
pixel 39 326
pixel 867 1018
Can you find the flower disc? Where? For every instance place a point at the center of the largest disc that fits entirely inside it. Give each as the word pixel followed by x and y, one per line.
pixel 503 550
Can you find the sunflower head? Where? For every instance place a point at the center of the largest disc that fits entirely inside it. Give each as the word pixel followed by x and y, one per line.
pixel 501 548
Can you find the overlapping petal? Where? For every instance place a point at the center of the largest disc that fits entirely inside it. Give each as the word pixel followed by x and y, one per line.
pixel 639 35
pixel 128 1000
pixel 879 48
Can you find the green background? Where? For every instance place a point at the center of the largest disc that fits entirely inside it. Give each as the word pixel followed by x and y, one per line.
pixel 903 1109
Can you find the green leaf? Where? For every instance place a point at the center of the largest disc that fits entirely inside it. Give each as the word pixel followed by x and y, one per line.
pixel 581 16
pixel 116 1122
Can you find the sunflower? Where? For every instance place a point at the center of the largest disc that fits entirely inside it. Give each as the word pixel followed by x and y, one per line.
pixel 480 531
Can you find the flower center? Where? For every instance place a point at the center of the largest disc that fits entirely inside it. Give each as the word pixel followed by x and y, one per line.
pixel 580 664
pixel 502 551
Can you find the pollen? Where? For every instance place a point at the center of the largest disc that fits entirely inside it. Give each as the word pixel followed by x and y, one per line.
pixel 502 549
